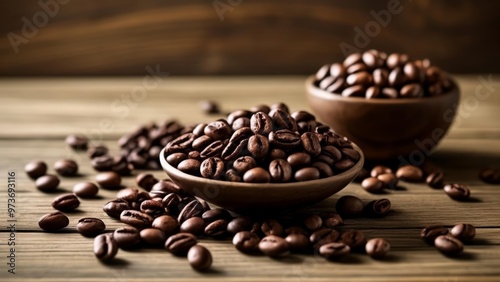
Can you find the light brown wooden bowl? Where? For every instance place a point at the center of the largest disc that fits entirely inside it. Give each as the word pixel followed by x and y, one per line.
pixel 386 129
pixel 250 197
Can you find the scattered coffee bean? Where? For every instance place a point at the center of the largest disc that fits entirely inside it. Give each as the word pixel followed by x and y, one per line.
pixel 35 169
pixel 66 202
pixel 108 180
pixel 180 243
pixel 490 175
pixel 355 239
pixel 66 167
pixel 435 180
pixel 334 250
pixel 430 233
pixel 209 107
pixel 97 151
pixel 410 173
pixel 238 224
pixel 153 236
pixel 463 232
pixel 146 181
pixel 199 258
pixel 192 209
pixel 323 236
pixel 297 242
pixel 105 247
pixel 85 189
pixel 273 246
pixel 215 214
pixel 166 223
pixel 136 219
pixel 90 226
pixel 77 142
pixel 448 245
pixel 246 241
pixel 457 192
pixel 115 207
pixel 216 229
pixel 103 163
pixel 53 221
pixel 271 227
pixel 349 206
pixel 47 183
pixel 377 248
pixel 380 169
pixel 377 208
pixel 126 237
pixel 194 225
pixel 373 185
pixel 390 180
pixel 313 222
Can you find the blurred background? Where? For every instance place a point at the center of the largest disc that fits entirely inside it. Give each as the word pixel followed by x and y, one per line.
pixel 239 37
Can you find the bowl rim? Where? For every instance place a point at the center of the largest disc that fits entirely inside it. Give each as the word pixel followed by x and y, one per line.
pixel 170 169
pixel 318 92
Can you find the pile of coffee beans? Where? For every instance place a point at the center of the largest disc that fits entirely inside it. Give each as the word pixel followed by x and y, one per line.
pixel 450 243
pixel 267 144
pixel 376 74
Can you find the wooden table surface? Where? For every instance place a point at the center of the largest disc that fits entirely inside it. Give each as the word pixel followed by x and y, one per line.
pixel 37 114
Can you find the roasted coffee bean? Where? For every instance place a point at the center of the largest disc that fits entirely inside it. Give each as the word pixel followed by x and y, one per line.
pixel 361 77
pixel 412 72
pixel 349 206
pixel 377 208
pixel 322 72
pixel 448 245
pixel 126 237
pixel 284 138
pixel 271 227
pixel 35 169
pixel 128 194
pixel 463 232
pixel 105 247
pixel 201 142
pixel 241 223
pixel 153 236
pixel 260 108
pixel 354 91
pixel 192 209
pixel 199 258
pixel 380 77
pixel 77 141
pixel 297 242
pixel 373 92
pixel 324 169
pixel 217 228
pixel 336 86
pixel 102 163
pixel 389 179
pixel 430 233
pixel 332 220
pixel 337 70
pixel 214 149
pixel 167 186
pixel 212 168
pixel 171 203
pixel 97 151
pixel 108 180
pixel 190 166
pixel 234 149
pixel 332 152
pixel 215 214
pixel 152 207
pixel 66 167
pixel 246 241
pixel 181 143
pixel 257 175
pixel 136 219
pixel 241 122
pixel 296 229
pixel 166 223
pixel 313 222
pixel 258 146
pixel 307 173
pixel 352 59
pixel 372 60
pixel 146 181
pixel 351 154
pixel 243 164
pixel 311 144
pixel 410 173
pixel 432 74
pixel 280 170
pixel 323 236
pixel 299 159
pixel 413 90
pixel 209 107
pixel 47 183
pixel 90 226
pixel 282 120
pixel 180 243
pixel 327 82
pixel 115 207
pixel 273 246
pixel 377 248
pixel 66 202
pixel 175 158
pixel 458 192
pixel 334 251
pixel 53 221
pixel 138 158
pixel 261 123
pixel 373 185
pixel 380 169
pixel 389 92
pixel 85 189
pixel 435 180
pixel 394 60
pixel 343 165
pixel 194 225
pixel 490 175
pixel 355 239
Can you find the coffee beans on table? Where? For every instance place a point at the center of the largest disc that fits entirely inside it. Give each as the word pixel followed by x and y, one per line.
pixel 85 189
pixel 378 208
pixel 105 247
pixel 355 239
pixel 126 237
pixel 463 232
pixel 108 180
pixel 146 181
pixel 66 202
pixel 377 248
pixel 410 173
pixel 53 221
pixel 435 180
pixel 373 184
pixel 274 246
pixel 209 107
pixel 153 236
pixel 349 206
pixel 194 225
pixel 448 245
pixel 35 169
pixel 334 250
pixel 199 258
pixel 379 170
pixel 323 236
pixel 430 233
pixel 90 226
pixel 180 243
pixel 390 180
pixel 66 167
pixel 136 218
pixel 47 183
pixel 458 192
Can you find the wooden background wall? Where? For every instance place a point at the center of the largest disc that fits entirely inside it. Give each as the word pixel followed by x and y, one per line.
pixel 122 37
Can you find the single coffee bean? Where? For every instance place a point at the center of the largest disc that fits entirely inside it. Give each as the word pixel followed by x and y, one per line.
pixel 354 91
pixel 322 72
pixel 239 114
pixel 412 90
pixel 168 187
pixel 216 229
pixel 241 223
pixel 97 151
pixel 299 159
pixel 389 92
pixel 324 169
pixel 389 179
pixel 355 239
pixel 297 242
pixel 361 77
pixel 180 243
pixel 323 236
pixel 260 108
pixel 146 181
pixel 463 232
pixel 394 60
pixel 152 207
pixel 241 123
pixel 175 158
pixel 126 237
pixel 373 185
pixel 343 165
pixel 171 203
pixel 282 120
pixel 490 175
pixel 377 248
pixel 77 142
pixel 35 169
pixel 332 220
pixel 166 223
pixel 372 60
pixel 377 208
pixel 349 206
pixel 103 163
pixel 47 183
pixel 115 207
pixel 271 227
pixel 273 246
pixel 108 180
pixel 90 226
pixel 280 170
pixel 192 166
pixel 435 180
pixel 153 236
pixel 66 202
pixel 380 77
pixel 128 194
pixel 257 175
pixel 243 164
pixel 410 173
pixel 313 222
pixel 181 143
pixel 458 192
pixel 337 70
pixel 199 258
pixel 258 146
pixel 212 168
pixel 215 214
pixel 430 233
pixel 261 123
pixel 194 225
pixel 246 241
pixel 85 189
pixel 136 219
pixel 336 86
pixel 307 173
pixel 234 149
pixel 334 251
pixel 327 82
pixel 66 167
pixel 296 229
pixel 380 169
pixel 53 221
pixel 105 247
pixel 192 209
pixel 209 107
pixel 448 245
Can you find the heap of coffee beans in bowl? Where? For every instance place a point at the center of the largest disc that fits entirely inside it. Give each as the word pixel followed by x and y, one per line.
pixel 375 74
pixel 264 144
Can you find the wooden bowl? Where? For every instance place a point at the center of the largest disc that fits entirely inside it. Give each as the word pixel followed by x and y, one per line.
pixel 387 129
pixel 262 197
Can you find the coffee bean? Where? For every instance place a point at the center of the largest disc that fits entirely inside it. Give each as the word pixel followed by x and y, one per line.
pixel 136 219
pixel 209 107
pixel 413 90
pixel 199 258
pixel 410 173
pixel 181 143
pixel 108 180
pixel 232 117
pixel 349 206
pixel 85 189
pixel 241 122
pixel 271 227
pixel 332 220
pixel 337 70
pixel 53 221
pixel 389 92
pixel 463 232
pixel 180 243
pixel 175 158
pixel 354 91
pixel 361 77
pixel 115 207
pixel 377 208
pixel 334 251
pixel 296 229
pixel 307 173
pixel 448 245
pixel 273 246
pixel 258 146
pixel 458 192
pixel 352 59
pixel 103 163
pixel 212 168
pixel 343 165
pixel 297 242
pixel 246 241
pixel 322 72
pixel 105 247
pixel 313 222
pixel 66 167
pixel 215 214
pixel 282 120
pixel 355 239
pixel 90 226
pixel 241 223
pixel 192 209
pixel 377 248
pixel 328 81
pixel 380 169
pixel 146 181
pixel 257 175
pixel 261 123
pixel 280 170
pixel 234 149
pixel 153 236
pixel 192 166
pixel 77 142
pixel 435 180
pixel 243 164
pixel 152 207
pixel 389 179
pixel 97 151
pixel 217 228
pixel 47 183
pixel 323 236
pixel 490 175
pixel 66 202
pixel 126 237
pixel 430 233
pixel 194 225
pixel 380 77
pixel 35 169
pixel 373 185
pixel 167 186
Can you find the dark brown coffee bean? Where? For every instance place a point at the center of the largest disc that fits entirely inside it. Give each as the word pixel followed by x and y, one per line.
pixel 128 194
pixel 122 166
pixel 458 192
pixel 377 208
pixel 108 180
pixel 324 169
pixel 152 207
pixel 102 163
pixel 380 169
pixel 192 209
pixel 351 154
pixel 257 175
pixel 412 72
pixel 232 175
pixel 373 92
pixel 212 168
pixel 463 232
pixel 217 228
pixel 389 92
pixel 241 122
pixel 327 82
pixel 362 77
pixel 136 219
pixel 260 108
pixel 336 86
pixel 410 173
pixel 241 223
pixel 202 142
pixel 115 207
pixel 85 189
pixel 332 220
pixel 77 141
pixel 332 152
pixel 337 70
pixel 311 144
pixel 171 203
pixel 194 225
pixel 412 90
pixel 214 149
pixel 490 175
pixel 433 75
pixel 356 68
pixel 53 221
pixel 354 91
pixel 126 237
pixel 246 241
pixel 297 242
pixel 396 77
pixel 258 146
pixel 66 167
pixel 181 143
pixel 352 59
pixel 299 159
pixel 234 149
pixel 389 179
pixel 146 181
pixel 175 158
pixel 307 173
pixel 47 183
pixel 261 123
pixel 273 246
pixel 90 226
pixel 285 139
pixel 277 154
pixel 199 258
pixel 322 72
pixel 430 233
pixel 97 151
pixel 243 164
pixel 313 222
pixel 435 180
pixel 167 186
pixel 280 171
pixel 334 251
pixel 209 107
pixel 271 227
pixel 349 206
pixel 190 166
pixel 215 214
pixel 105 247
pixel 66 202
pixel 394 60
pixel 282 120
pixel 448 245
pixel 355 239
pixel 371 60
pixel 167 224
pixel 377 248
pixel 323 236
pixel 153 236
pixel 380 77
pixel 180 243
pixel 343 165
pixel 35 169
pixel 373 185
pixel 238 114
